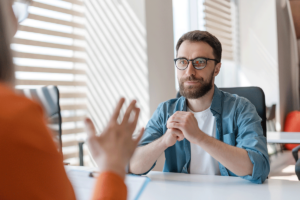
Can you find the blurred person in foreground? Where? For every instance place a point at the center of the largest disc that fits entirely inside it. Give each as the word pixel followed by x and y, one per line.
pixel 31 167
pixel 206 131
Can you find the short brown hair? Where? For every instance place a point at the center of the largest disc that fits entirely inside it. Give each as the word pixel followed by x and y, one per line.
pixel 203 36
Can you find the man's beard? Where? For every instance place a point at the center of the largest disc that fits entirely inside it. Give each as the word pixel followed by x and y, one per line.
pixel 195 92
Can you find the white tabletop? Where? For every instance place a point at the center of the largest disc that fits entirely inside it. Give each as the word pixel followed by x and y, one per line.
pixel 188 187
pixel 283 137
pixel 178 186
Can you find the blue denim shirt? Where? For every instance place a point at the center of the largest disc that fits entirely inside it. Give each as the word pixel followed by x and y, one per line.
pixel 238 124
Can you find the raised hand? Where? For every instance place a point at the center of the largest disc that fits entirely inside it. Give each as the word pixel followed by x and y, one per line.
pixel 113 148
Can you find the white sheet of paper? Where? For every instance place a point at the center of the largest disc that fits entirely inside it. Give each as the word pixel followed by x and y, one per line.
pixel 84 185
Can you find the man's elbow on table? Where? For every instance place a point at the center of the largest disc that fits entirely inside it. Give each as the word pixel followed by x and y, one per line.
pixel 261 167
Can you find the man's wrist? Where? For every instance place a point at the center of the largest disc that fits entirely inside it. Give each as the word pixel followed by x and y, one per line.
pixel 201 138
pixel 163 142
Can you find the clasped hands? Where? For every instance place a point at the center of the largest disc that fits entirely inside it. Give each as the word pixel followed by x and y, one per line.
pixel 183 125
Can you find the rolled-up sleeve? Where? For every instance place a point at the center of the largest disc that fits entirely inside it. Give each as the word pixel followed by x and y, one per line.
pixel 250 137
pixel 153 130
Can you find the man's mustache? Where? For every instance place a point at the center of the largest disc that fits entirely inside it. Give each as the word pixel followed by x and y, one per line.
pixel 191 78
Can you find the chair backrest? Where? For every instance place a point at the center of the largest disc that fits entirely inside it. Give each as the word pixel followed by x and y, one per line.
pixel 297 165
pixel 256 96
pixel 48 97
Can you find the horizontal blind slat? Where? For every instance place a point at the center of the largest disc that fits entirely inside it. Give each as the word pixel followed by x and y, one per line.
pixel 220 35
pixel 72 131
pixel 227 48
pixel 216 6
pixel 224 22
pixel 73 119
pixel 47 44
pixel 225 33
pixel 74 154
pixel 40 82
pixel 57 9
pixel 225 3
pixel 72 95
pixel 70 143
pixel 48 70
pixel 227 58
pixel 216 13
pixel 49 32
pixel 55 21
pixel 73 107
pixel 227 54
pixel 80 3
pixel 47 57
pixel 70 155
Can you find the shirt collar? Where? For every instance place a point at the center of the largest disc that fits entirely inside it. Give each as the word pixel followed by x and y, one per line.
pixel 216 104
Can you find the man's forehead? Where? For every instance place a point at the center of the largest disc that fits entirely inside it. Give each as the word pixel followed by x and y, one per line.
pixel 196 48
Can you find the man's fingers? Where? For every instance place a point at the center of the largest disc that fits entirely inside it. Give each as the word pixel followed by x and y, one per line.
pixel 178 134
pixel 171 125
pixel 128 111
pixel 116 112
pixel 89 127
pixel 179 117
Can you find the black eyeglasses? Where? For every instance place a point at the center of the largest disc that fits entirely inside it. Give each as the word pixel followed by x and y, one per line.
pixel 198 63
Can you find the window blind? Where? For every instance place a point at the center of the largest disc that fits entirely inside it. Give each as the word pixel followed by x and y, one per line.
pixel 218 21
pixel 49 49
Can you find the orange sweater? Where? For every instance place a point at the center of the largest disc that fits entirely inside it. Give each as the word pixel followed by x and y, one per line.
pixel 30 165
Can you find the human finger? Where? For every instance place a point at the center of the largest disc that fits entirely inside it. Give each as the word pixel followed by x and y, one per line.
pixel 128 112
pixel 117 110
pixel 179 135
pixel 89 127
pixel 136 117
pixel 179 117
pixel 175 125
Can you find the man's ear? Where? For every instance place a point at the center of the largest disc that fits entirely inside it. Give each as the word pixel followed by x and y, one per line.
pixel 217 69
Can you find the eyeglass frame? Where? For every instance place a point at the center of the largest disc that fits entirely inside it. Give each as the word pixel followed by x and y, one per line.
pixel 206 59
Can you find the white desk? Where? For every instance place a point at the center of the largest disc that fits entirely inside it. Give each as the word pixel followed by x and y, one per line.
pixel 175 186
pixel 283 137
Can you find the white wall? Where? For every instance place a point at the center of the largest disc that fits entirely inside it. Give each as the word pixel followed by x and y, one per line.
pixel 160 51
pixel 258 47
pixel 288 60
pixel 159 26
pixel 265 53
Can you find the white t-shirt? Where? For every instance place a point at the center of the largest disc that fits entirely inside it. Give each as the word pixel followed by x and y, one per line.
pixel 201 161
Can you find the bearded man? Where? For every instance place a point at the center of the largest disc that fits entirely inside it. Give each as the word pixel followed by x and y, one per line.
pixel 206 131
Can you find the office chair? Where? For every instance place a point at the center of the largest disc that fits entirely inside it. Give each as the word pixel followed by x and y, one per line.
pixel 48 97
pixel 255 95
pixel 297 165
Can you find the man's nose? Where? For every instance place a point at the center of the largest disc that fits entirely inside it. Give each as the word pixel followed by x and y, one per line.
pixel 190 70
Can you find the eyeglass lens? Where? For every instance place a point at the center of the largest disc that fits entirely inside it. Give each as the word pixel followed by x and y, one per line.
pixel 198 63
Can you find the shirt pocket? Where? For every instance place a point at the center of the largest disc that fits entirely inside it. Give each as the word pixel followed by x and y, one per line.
pixel 229 138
